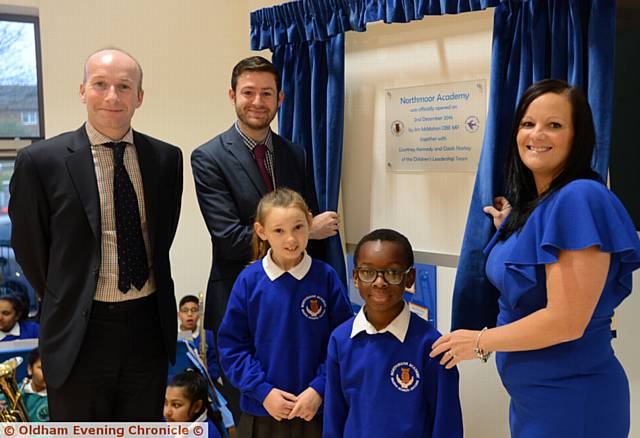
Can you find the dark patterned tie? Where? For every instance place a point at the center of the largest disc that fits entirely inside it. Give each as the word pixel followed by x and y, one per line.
pixel 259 152
pixel 133 267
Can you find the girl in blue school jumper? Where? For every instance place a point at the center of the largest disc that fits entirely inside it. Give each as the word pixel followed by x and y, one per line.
pixel 282 309
pixel 14 309
pixel 381 381
pixel 186 400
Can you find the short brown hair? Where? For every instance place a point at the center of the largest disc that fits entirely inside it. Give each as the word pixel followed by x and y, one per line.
pixel 254 63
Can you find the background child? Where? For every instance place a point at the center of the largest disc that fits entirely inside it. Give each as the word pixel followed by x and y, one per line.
pixel 34 391
pixel 380 379
pixel 13 311
pixel 274 334
pixel 189 320
pixel 186 400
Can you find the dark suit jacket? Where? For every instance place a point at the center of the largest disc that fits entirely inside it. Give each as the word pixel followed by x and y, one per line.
pixel 56 236
pixel 229 187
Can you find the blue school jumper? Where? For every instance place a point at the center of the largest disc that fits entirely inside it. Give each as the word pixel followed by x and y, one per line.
pixel 275 331
pixel 203 418
pixel 384 384
pixel 28 330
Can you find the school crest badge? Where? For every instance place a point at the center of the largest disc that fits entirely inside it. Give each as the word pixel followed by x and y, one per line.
pixel 313 306
pixel 405 376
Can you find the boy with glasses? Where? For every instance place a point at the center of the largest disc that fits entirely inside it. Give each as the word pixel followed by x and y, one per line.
pixel 381 381
pixel 190 330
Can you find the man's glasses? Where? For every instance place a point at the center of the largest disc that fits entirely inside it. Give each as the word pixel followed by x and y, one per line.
pixel 391 276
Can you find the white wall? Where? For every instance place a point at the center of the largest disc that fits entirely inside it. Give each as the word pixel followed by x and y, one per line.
pixel 431 208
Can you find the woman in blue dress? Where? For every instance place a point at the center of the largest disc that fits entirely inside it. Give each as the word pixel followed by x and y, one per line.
pixel 562 260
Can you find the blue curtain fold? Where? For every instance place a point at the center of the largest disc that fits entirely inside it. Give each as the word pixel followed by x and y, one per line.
pixel 532 39
pixel 321 20
pixel 312 115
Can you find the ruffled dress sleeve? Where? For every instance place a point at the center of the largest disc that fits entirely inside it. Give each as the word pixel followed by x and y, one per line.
pixel 582 214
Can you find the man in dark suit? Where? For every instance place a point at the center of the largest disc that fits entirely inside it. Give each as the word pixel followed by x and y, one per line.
pixel 94 213
pixel 235 169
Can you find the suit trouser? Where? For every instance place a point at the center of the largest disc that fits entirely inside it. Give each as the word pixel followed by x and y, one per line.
pixel 217 297
pixel 120 373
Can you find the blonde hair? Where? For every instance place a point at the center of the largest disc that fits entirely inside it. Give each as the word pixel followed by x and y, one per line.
pixel 280 197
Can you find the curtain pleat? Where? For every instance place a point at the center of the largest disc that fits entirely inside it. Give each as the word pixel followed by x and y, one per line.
pixel 532 40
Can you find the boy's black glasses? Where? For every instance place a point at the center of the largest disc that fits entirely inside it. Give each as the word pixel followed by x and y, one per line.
pixel 391 276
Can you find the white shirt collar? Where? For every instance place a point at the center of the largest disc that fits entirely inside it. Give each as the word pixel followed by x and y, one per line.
pixel 274 271
pixel 202 418
pixel 15 331
pixel 29 390
pixel 398 327
pixel 188 334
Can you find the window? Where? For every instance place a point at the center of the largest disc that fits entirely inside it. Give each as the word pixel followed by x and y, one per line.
pixel 30 117
pixel 12 280
pixel 20 78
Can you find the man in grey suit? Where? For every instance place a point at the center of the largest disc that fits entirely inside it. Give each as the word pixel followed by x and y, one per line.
pixel 235 169
pixel 94 212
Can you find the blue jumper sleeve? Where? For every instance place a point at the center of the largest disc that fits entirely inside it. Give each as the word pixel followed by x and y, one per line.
pixel 339 311
pixel 237 350
pixel 445 414
pixel 335 406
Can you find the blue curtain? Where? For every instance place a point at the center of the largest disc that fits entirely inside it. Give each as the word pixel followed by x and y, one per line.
pixel 307 41
pixel 532 40
pixel 312 115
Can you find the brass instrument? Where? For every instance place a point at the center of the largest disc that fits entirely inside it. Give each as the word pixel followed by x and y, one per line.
pixel 203 340
pixel 15 410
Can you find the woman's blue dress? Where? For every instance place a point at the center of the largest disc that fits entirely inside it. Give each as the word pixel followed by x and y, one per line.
pixel 575 389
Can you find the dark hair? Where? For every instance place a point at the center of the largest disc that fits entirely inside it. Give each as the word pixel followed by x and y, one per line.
pixel 20 302
pixel 188 299
pixel 386 235
pixel 254 63
pixel 195 388
pixel 280 197
pixel 33 357
pixel 520 185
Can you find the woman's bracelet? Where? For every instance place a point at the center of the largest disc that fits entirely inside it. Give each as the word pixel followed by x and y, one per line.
pixel 480 353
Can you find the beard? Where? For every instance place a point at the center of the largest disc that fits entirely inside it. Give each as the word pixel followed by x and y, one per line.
pixel 253 123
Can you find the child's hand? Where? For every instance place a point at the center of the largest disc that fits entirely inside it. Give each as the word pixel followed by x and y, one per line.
pixel 279 403
pixel 308 403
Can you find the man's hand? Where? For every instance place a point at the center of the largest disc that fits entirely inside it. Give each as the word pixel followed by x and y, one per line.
pixel 279 403
pixel 308 403
pixel 324 225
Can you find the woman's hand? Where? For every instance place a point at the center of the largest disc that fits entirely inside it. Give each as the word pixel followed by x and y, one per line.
pixel 499 210
pixel 279 403
pixel 455 347
pixel 308 403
